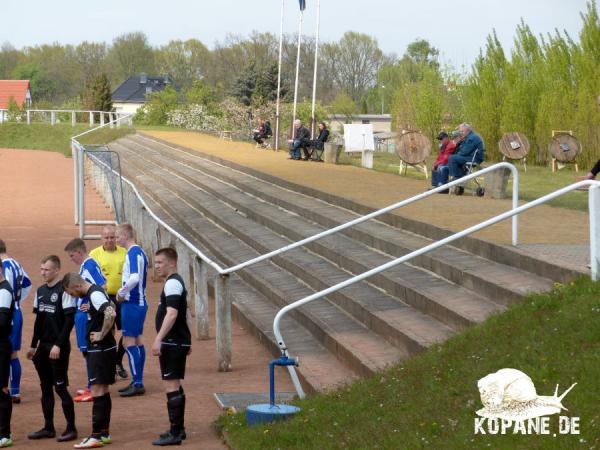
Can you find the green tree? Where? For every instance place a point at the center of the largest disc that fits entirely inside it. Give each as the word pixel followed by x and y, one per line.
pixel 130 54
pixel 98 95
pixel 245 84
pixel 343 105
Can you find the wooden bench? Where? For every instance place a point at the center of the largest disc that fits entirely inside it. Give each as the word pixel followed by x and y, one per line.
pixel 226 135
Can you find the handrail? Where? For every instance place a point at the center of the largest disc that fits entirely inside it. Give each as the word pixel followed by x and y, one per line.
pixel 501 165
pixel 66 111
pixel 594 234
pixel 110 122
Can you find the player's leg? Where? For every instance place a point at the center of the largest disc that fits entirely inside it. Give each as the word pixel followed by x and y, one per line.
pixel 140 340
pixel 41 361
pixel 120 348
pixel 5 400
pixel 84 394
pixel 60 368
pixel 132 321
pixel 15 364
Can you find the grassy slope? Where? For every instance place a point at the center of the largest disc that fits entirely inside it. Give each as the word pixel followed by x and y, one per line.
pixel 534 183
pixel 39 136
pixel 430 401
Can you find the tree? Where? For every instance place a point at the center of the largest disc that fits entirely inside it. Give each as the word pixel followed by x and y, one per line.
pixel 131 54
pixel 98 95
pixel 244 86
pixel 266 85
pixel 184 61
pixel 421 52
pixel 343 105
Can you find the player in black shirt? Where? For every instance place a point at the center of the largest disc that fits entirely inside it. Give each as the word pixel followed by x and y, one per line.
pixel 173 342
pixel 7 308
pixel 102 354
pixel 54 311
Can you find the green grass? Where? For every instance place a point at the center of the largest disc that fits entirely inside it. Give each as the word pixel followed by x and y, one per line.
pixel 57 138
pixel 430 401
pixel 534 183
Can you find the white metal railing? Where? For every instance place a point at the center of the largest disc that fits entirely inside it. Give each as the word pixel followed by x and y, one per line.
pixel 594 211
pixel 51 115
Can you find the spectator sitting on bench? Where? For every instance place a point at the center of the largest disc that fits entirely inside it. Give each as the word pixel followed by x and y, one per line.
pixel 471 149
pixel 263 132
pixel 317 144
pixel 301 139
pixel 440 170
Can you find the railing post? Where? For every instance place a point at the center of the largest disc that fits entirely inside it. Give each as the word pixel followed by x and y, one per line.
pixel 223 319
pixel 52 117
pixel 81 190
pixel 91 119
pixel 28 117
pixel 74 157
pixel 594 207
pixel 201 298
pixel 73 119
pixel 101 118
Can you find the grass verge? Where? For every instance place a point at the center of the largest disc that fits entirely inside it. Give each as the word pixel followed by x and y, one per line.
pixel 430 400
pixel 56 138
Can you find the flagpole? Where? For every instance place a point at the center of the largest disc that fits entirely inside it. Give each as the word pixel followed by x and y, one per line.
pixel 279 79
pixel 314 92
pixel 297 67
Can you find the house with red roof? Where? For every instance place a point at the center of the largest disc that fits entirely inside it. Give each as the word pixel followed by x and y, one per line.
pixel 18 90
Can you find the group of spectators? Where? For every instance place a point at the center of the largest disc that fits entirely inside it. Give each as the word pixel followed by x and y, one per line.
pixel 301 139
pixel 458 150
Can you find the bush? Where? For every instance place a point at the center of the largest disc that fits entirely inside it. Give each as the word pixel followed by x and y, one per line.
pixel 194 117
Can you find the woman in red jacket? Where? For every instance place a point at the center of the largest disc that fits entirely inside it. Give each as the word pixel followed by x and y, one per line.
pixel 440 170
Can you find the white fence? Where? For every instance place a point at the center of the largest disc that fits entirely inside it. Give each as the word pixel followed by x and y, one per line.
pixel 54 116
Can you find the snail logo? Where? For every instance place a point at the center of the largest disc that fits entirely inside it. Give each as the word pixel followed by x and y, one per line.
pixel 509 395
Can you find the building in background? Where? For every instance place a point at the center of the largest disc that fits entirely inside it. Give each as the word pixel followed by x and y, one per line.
pixel 135 91
pixel 18 90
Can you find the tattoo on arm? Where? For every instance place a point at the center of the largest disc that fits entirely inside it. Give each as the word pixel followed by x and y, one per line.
pixel 109 320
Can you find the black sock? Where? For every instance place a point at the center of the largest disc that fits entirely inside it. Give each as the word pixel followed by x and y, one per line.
pixel 175 408
pixel 120 352
pixel 5 414
pixel 107 413
pixel 98 415
pixel 67 405
pixel 48 406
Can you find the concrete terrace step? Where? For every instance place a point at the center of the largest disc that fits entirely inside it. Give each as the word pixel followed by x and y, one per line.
pixel 445 301
pixel 502 283
pixel 318 371
pixel 350 341
pixel 502 254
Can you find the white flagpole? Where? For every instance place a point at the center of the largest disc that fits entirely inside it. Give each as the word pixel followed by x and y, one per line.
pixel 314 92
pixel 279 79
pixel 297 67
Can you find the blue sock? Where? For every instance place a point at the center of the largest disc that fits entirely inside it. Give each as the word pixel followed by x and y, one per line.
pixel 133 354
pixel 142 350
pixel 15 376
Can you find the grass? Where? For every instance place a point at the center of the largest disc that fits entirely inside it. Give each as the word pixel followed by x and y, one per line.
pixel 57 138
pixel 534 183
pixel 430 400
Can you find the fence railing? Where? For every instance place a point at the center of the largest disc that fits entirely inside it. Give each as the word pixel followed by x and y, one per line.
pixel 54 116
pixel 594 212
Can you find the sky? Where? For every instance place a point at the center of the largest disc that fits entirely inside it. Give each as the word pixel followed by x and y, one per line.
pixel 458 28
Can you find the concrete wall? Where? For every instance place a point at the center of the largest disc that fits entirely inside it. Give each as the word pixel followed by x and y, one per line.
pixel 382 123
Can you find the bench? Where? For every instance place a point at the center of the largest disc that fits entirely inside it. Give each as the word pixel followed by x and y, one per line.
pixel 226 134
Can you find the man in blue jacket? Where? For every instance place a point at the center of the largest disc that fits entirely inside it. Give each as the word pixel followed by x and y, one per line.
pixel 470 149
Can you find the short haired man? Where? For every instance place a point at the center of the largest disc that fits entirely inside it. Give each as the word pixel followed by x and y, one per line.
pixel 102 351
pixel 7 308
pixel 471 149
pixel 111 258
pixel 54 310
pixel 173 342
pixel 92 273
pixel 300 139
pixel 440 170
pixel 21 285
pixel 132 294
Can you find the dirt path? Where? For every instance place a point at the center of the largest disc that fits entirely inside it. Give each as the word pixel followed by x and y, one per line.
pixel 541 225
pixel 36 220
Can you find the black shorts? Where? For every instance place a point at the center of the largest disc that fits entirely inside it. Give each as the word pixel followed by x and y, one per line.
pixel 113 298
pixel 54 371
pixel 101 363
pixel 172 361
pixel 5 352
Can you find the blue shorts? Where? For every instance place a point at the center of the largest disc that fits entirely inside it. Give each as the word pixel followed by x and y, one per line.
pixel 17 330
pixel 132 319
pixel 81 320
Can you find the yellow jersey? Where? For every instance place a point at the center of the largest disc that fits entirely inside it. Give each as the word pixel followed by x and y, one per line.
pixel 111 264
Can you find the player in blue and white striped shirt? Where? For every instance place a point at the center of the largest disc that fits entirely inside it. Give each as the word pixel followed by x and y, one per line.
pixel 21 285
pixel 133 308
pixel 91 272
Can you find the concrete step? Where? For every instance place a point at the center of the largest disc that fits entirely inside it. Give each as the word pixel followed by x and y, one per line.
pixel 351 342
pixel 447 302
pixel 502 254
pixel 501 283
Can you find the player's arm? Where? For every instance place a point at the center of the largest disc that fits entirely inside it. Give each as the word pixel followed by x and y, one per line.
pixel 68 306
pixel 37 329
pixel 104 306
pixel 5 303
pixel 173 291
pixel 134 275
pixel 26 285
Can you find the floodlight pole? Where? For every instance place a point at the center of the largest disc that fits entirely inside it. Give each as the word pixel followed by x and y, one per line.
pixel 314 92
pixel 279 78
pixel 297 68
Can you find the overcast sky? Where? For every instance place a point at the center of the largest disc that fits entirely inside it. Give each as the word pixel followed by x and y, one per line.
pixel 457 27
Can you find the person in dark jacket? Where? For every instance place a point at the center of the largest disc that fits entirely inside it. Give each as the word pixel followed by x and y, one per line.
pixel 440 170
pixel 319 142
pixel 300 140
pixel 470 149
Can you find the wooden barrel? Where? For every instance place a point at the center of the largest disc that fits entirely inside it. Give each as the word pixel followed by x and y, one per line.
pixel 412 147
pixel 564 147
pixel 514 145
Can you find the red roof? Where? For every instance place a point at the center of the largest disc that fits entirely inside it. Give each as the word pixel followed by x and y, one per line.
pixel 16 89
